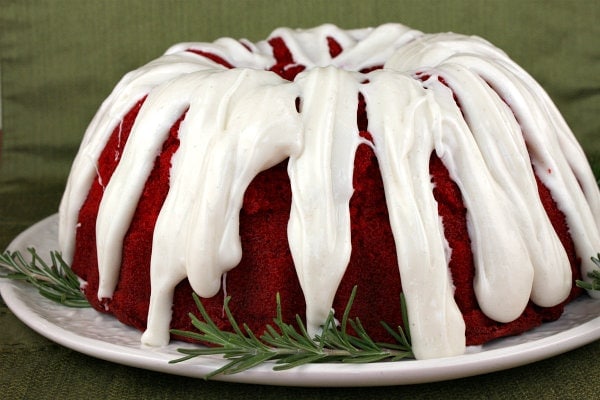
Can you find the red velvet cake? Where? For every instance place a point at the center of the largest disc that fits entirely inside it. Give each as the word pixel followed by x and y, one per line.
pixel 323 159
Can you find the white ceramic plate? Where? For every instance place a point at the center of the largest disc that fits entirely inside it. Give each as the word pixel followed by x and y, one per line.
pixel 102 336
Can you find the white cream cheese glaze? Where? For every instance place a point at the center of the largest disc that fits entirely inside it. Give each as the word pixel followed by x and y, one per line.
pixel 321 181
pixel 241 121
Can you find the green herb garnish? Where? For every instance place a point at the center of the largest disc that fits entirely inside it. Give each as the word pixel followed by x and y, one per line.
pixel 56 282
pixel 595 275
pixel 287 345
pixel 290 347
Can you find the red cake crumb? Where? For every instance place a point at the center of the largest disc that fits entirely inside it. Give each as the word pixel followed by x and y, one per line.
pixel 335 49
pixel 284 66
pixel 213 57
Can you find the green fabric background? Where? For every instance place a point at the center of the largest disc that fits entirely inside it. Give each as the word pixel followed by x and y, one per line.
pixel 60 59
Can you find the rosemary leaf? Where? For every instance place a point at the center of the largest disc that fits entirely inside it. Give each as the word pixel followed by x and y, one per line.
pixel 248 361
pixel 367 358
pixel 594 275
pixel 304 359
pixel 254 339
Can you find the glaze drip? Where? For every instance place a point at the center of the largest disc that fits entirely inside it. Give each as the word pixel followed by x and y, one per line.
pixel 456 96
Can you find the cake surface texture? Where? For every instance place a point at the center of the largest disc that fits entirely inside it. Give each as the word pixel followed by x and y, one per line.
pixel 322 159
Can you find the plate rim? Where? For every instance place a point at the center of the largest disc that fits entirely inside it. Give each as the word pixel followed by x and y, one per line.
pixel 315 375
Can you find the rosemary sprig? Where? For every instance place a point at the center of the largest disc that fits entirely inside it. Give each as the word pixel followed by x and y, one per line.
pixel 56 282
pixel 595 275
pixel 283 343
pixel 290 347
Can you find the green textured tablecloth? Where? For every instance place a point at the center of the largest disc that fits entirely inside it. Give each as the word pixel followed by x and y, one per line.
pixel 60 59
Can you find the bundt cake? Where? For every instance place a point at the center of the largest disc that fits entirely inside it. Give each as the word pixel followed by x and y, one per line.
pixel 323 159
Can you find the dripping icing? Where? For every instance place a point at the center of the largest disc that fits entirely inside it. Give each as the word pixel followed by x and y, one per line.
pixel 316 141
